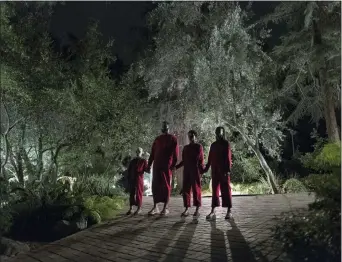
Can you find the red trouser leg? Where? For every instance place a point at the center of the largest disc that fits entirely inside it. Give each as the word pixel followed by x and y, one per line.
pixel 166 187
pixel 139 191
pixel 155 185
pixel 215 187
pixel 186 190
pixel 196 190
pixel 226 192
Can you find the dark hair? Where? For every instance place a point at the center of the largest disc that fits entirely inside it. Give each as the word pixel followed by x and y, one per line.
pixel 193 132
pixel 217 130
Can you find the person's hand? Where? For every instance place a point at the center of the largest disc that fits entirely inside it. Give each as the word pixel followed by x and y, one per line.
pixel 173 169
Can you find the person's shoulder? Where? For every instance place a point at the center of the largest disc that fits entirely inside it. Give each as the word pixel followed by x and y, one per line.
pixel 142 160
pixel 214 143
pixel 172 137
pixel 198 145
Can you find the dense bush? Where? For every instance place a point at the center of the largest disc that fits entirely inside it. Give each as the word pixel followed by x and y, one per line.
pixel 246 170
pixel 97 185
pixel 255 188
pixel 105 206
pixel 33 212
pixel 293 185
pixel 317 235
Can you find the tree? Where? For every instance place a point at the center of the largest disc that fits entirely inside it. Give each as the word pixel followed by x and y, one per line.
pixel 310 55
pixel 209 66
pixel 69 106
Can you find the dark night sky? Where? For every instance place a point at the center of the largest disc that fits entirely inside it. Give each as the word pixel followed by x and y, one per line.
pixel 116 20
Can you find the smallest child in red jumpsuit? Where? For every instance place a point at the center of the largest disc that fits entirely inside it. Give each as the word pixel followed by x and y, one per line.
pixel 136 170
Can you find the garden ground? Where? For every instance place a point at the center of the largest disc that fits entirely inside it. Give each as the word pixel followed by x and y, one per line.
pixel 247 237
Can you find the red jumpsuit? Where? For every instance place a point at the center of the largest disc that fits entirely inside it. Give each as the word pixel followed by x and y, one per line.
pixel 164 157
pixel 220 160
pixel 193 162
pixel 136 170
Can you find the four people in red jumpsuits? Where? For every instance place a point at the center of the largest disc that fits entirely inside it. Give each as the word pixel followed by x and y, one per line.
pixel 164 156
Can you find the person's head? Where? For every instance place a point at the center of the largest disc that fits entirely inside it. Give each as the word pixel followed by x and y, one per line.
pixel 165 127
pixel 139 152
pixel 220 133
pixel 192 135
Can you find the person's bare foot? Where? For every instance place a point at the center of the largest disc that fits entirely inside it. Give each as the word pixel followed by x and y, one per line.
pixel 164 212
pixel 196 214
pixel 129 212
pixel 153 211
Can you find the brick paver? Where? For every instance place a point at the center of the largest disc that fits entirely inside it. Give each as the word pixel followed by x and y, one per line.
pixel 245 238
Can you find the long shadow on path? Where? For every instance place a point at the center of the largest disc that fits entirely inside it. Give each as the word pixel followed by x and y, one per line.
pixel 182 243
pixel 218 252
pixel 159 249
pixel 239 247
pixel 103 240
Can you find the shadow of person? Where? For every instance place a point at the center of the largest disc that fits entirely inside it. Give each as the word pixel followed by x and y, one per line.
pixel 239 247
pixel 218 252
pixel 163 243
pixel 183 242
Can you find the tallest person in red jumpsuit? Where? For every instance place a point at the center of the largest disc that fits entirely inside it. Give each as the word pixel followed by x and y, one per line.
pixel 220 161
pixel 163 156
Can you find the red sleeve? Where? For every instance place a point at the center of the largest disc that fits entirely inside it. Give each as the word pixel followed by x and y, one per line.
pixel 151 158
pixel 209 160
pixel 175 153
pixel 201 159
pixel 229 158
pixel 181 162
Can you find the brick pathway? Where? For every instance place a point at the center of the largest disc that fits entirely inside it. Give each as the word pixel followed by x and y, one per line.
pixel 245 238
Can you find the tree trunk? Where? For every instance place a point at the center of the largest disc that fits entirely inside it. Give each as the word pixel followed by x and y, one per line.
pixel 329 103
pixel 269 174
pixel 329 110
pixel 263 163
pixel 20 154
pixel 40 156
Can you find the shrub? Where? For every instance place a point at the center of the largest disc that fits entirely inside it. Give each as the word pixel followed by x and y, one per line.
pixel 246 170
pixel 93 217
pixel 97 185
pixel 5 220
pixel 255 188
pixel 105 206
pixel 317 236
pixel 293 185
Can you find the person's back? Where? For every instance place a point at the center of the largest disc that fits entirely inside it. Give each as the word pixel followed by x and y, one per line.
pixel 191 160
pixel 136 170
pixel 219 151
pixel 163 156
pixel 164 149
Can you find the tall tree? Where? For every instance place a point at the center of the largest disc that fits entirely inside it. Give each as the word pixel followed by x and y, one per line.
pixel 208 66
pixel 310 54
